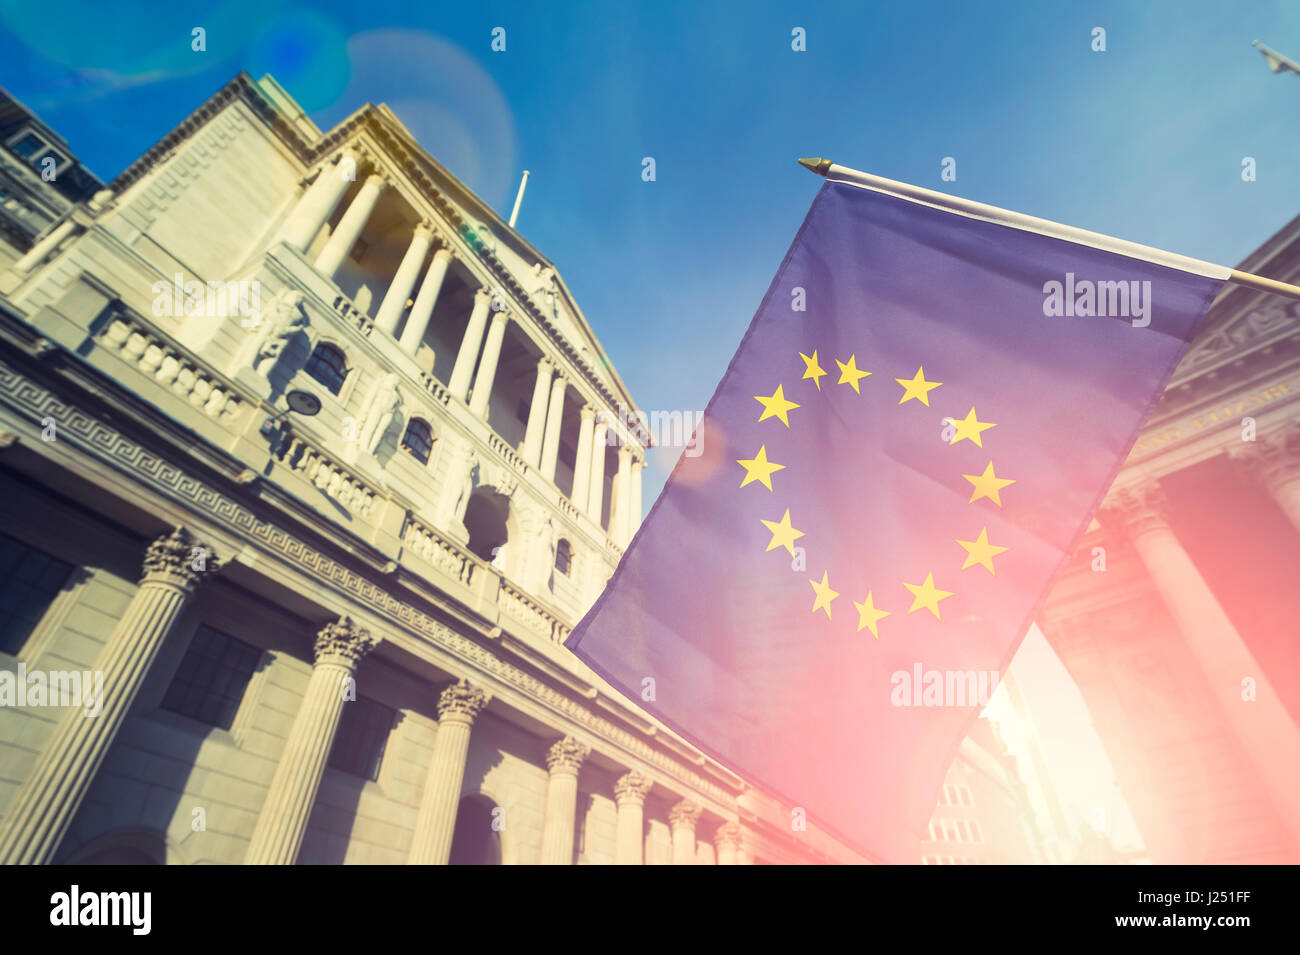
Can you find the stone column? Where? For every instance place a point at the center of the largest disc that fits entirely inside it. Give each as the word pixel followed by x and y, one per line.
pixel 582 466
pixel 596 486
pixel 44 806
pixel 417 323
pixel 399 289
pixel 37 253
pixel 629 795
pixel 487 366
pixel 727 840
pixel 1263 726
pixel 458 706
pixel 537 413
pixel 634 519
pixel 1274 461
pixel 350 226
pixel 554 422
pixel 563 760
pixel 282 822
pixel 621 521
pixel 681 819
pixel 704 854
pixel 469 345
pixel 317 203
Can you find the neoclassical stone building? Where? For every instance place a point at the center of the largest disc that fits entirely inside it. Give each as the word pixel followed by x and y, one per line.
pixel 1177 616
pixel 315 461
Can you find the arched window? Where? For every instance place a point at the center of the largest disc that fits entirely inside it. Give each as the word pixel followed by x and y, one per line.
pixel 329 366
pixel 563 556
pixel 418 440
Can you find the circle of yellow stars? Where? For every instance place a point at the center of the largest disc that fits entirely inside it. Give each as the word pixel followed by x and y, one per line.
pixel 926 595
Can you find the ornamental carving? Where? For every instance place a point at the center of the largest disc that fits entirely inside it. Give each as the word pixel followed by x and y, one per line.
pixel 632 788
pixel 728 834
pixel 343 642
pixel 684 814
pixel 1136 509
pixel 567 756
pixel 462 702
pixel 179 559
pixel 1273 459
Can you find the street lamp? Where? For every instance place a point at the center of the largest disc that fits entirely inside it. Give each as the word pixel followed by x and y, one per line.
pixel 299 401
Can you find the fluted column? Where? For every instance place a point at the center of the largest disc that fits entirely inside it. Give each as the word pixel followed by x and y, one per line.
pixel 350 226
pixel 45 804
pixel 458 707
pixel 399 289
pixel 596 486
pixel 317 203
pixel 487 366
pixel 621 521
pixel 1274 461
pixel 681 820
pixel 554 423
pixel 582 465
pixel 417 323
pixel 37 253
pixel 469 345
pixel 537 413
pixel 282 823
pixel 629 795
pixel 1263 726
pixel 727 841
pixel 563 761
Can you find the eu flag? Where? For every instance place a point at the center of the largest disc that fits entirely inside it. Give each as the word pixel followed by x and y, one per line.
pixel 905 450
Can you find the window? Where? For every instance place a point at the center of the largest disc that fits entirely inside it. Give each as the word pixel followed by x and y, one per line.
pixel 977 831
pixel 27 145
pixel 29 581
pixel 210 682
pixel 563 556
pixel 329 366
pixel 418 439
pixel 362 737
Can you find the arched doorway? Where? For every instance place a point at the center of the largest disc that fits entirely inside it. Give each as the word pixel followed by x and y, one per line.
pixel 477 839
pixel 486 518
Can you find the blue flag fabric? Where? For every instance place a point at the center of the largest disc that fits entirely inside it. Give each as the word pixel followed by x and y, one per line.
pixel 905 450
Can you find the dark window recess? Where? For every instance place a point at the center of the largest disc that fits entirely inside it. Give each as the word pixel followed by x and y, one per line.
pixel 563 556
pixel 521 410
pixel 27 145
pixel 418 440
pixel 210 682
pixel 29 581
pixel 362 737
pixel 328 366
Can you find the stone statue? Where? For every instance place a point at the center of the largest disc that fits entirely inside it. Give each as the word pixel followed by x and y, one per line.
pixel 468 480
pixel 275 327
pixel 544 553
pixel 380 412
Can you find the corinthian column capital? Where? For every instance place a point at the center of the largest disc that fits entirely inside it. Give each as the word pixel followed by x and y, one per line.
pixel 1136 509
pixel 179 559
pixel 1273 459
pixel 684 815
pixel 632 788
pixel 728 834
pixel 343 642
pixel 567 756
pixel 462 702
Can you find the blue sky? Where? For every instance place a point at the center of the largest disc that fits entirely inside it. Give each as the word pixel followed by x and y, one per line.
pixel 1144 141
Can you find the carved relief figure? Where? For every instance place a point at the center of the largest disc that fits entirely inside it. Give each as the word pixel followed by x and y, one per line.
pixel 384 406
pixel 276 326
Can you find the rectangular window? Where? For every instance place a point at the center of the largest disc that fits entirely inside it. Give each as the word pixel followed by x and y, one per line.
pixel 977 831
pixel 362 737
pixel 26 146
pixel 30 579
pixel 209 684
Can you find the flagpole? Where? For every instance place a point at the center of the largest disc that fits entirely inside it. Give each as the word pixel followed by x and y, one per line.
pixel 830 170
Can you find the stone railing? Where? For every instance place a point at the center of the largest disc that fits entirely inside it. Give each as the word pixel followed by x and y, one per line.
pixel 157 356
pixel 353 315
pixel 435 388
pixel 503 449
pixel 535 618
pixel 440 552
pixel 332 478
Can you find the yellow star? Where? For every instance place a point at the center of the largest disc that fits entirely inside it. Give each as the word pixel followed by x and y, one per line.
pixel 776 406
pixel 970 427
pixel 812 369
pixel 824 595
pixel 849 374
pixel 759 468
pixel 868 615
pixel 927 595
pixel 987 485
pixel 981 552
pixel 917 387
pixel 783 535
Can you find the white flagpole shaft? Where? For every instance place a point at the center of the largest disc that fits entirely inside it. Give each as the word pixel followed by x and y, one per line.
pixel 979 210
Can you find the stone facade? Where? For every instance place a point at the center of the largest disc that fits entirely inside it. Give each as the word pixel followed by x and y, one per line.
pixel 330 637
